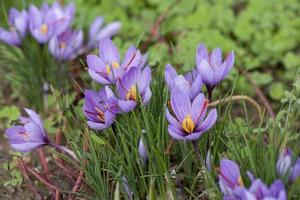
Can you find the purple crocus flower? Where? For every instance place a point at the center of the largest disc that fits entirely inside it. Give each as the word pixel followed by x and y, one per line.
pixel 284 163
pixel 229 176
pixel 18 25
pixel 133 84
pixel 142 151
pixel 191 83
pixel 261 191
pixel 29 135
pixel 66 45
pixel 97 32
pixel 295 172
pixel 107 68
pixel 190 120
pixel 48 22
pixel 211 67
pixel 100 108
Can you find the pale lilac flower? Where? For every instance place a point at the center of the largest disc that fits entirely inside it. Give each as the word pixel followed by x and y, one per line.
pixel 284 163
pixel 18 26
pixel 211 67
pixel 142 151
pixel 134 84
pixel 107 68
pixel 191 83
pixel 97 32
pixel 48 21
pixel 29 135
pixel 66 45
pixel 190 120
pixel 100 108
pixel 229 176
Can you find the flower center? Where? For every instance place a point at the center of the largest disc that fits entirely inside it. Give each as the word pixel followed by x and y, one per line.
pixel 240 181
pixel 115 64
pixel 44 28
pixel 188 124
pixel 107 69
pixel 132 93
pixel 62 45
pixel 100 115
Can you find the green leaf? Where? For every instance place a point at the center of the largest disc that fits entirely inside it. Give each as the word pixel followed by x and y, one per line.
pixel 261 79
pixel 276 90
pixel 99 141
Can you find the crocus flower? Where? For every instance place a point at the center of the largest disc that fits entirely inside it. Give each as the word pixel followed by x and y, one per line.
pixel 229 176
pixel 100 108
pixel 190 120
pixel 10 37
pixel 48 22
pixel 107 68
pixel 142 151
pixel 261 191
pixel 208 160
pixel 295 172
pixel 29 135
pixel 66 45
pixel 284 163
pixel 134 84
pixel 189 84
pixel 211 67
pixel 18 25
pixel 97 32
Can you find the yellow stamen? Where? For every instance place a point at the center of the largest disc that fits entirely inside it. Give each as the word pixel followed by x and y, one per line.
pixel 115 64
pixel 240 181
pixel 100 115
pixel 44 29
pixel 132 93
pixel 107 69
pixel 188 124
pixel 62 45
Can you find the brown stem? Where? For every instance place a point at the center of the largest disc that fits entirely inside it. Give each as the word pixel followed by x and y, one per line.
pixel 44 163
pixel 261 95
pixel 238 98
pixel 77 184
pixel 41 179
pixel 23 170
pixel 168 149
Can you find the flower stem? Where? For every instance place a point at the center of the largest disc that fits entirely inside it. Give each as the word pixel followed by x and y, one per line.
pixel 196 149
pixel 44 163
pixel 239 98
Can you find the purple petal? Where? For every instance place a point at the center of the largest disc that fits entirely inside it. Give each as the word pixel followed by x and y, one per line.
pixel 109 118
pixel 216 57
pixel 132 58
pixel 176 133
pixel 180 83
pixel 198 107
pixel 196 87
pixel 170 75
pixel 126 106
pixel 142 151
pixel 206 72
pixel 144 81
pixel 202 54
pixel 180 103
pixel 229 173
pixel 108 51
pixel 97 126
pixel 146 96
pixel 27 147
pixel 172 120
pixel 109 30
pixel 229 61
pixel 295 170
pixel 36 119
pixel 95 27
pixel 209 121
pixel 194 136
